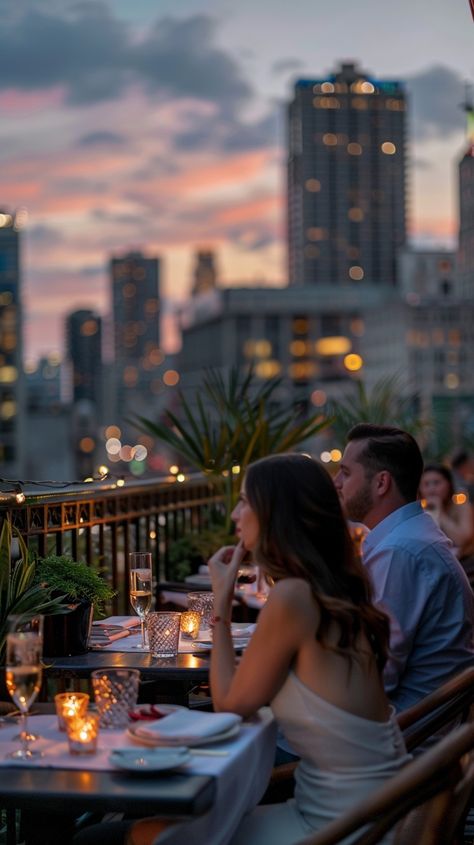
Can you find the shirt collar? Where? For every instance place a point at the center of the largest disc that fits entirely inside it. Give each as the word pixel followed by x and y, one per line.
pixel 392 521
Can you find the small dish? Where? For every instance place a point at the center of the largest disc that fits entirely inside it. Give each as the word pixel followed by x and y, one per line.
pixel 150 760
pixel 191 742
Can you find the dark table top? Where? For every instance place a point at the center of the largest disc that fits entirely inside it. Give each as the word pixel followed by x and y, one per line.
pixel 191 668
pixel 46 790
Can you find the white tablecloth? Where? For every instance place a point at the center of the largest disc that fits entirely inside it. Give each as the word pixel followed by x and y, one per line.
pixel 242 775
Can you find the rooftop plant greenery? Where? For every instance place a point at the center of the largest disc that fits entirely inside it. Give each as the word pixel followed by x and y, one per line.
pixel 20 593
pixel 230 422
pixel 76 581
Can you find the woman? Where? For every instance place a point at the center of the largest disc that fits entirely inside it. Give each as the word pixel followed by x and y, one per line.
pixel 317 652
pixel 455 519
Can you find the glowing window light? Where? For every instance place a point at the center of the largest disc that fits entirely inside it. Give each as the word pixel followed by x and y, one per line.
pixel 333 345
pixel 267 369
pixel 318 398
pixel 327 88
pixel 298 348
pixel 329 139
pixel 388 148
pixel 8 374
pixel 313 185
pixel 353 362
pixel 451 381
pixel 112 431
pixel 354 149
pixel 87 444
pixel 356 273
pixel 355 214
pixel 171 378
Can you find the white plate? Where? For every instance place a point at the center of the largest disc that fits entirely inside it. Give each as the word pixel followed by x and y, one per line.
pixel 238 630
pixel 150 760
pixel 154 742
pixel 164 710
pixel 199 645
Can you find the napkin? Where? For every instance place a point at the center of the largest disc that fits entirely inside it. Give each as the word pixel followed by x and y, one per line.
pixel 118 622
pixel 188 725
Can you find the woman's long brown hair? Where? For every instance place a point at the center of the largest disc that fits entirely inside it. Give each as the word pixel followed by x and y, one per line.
pixel 303 534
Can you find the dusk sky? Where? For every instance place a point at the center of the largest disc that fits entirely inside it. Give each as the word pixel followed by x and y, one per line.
pixel 160 125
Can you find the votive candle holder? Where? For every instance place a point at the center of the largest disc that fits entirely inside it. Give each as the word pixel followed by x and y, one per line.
pixel 190 623
pixel 82 733
pixel 163 633
pixel 70 704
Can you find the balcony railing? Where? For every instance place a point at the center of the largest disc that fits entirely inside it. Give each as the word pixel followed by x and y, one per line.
pixel 101 523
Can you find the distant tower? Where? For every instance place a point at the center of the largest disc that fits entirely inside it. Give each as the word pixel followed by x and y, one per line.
pixel 12 397
pixel 205 275
pixel 136 306
pixel 84 353
pixel 346 179
pixel 466 204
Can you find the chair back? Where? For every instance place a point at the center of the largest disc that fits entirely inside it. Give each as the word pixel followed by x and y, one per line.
pixel 438 784
pixel 453 700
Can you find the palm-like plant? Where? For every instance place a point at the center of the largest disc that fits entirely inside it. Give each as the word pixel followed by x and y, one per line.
pixel 231 423
pixel 18 592
pixel 385 404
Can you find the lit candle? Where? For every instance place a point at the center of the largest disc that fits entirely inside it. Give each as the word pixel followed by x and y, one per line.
pixel 190 622
pixel 70 704
pixel 82 733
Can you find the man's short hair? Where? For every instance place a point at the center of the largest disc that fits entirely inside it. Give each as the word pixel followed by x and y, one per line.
pixel 459 459
pixel 391 449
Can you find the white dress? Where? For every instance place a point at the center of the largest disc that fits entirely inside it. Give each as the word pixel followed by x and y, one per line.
pixel 344 758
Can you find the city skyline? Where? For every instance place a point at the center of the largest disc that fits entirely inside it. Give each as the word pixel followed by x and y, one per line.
pixel 164 131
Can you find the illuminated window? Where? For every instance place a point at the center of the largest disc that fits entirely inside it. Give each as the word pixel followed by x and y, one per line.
pixel 298 347
pixel 300 325
pixel 89 328
pixel 327 88
pixel 316 233
pixel 329 139
pixel 87 445
pixel 354 149
pixel 359 103
pixel 8 374
pixel 313 185
pixel 353 362
pixel 451 381
pixel 333 345
pixel 267 369
pixel 171 378
pixel 356 273
pixel 388 148
pixel 302 370
pixel 355 214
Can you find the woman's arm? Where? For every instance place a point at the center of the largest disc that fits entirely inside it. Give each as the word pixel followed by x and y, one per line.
pixel 288 617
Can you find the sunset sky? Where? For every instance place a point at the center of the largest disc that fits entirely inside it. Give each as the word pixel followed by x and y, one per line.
pixel 160 125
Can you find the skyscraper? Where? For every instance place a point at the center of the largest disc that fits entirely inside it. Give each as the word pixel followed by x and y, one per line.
pixel 84 354
pixel 466 206
pixel 136 305
pixel 11 373
pixel 346 179
pixel 205 275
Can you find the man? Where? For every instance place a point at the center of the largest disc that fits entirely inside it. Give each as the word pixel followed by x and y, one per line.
pixel 415 577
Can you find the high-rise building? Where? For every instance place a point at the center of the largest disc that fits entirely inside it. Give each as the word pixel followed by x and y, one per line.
pixel 12 414
pixel 205 275
pixel 84 354
pixel 466 208
pixel 136 306
pixel 346 179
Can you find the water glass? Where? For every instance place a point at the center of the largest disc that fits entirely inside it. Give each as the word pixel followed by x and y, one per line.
pixel 204 603
pixel 163 633
pixel 115 693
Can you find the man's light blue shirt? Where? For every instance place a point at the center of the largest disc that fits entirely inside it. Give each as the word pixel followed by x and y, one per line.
pixel 421 585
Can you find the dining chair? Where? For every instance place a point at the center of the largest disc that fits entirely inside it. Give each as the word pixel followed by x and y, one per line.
pixel 427 800
pixel 454 700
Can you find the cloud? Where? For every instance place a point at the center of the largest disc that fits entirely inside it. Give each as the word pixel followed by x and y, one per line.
pixel 95 57
pixel 286 65
pixel 229 135
pixel 436 95
pixel 94 139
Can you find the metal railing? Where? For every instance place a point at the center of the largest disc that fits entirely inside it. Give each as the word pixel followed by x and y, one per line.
pixel 101 523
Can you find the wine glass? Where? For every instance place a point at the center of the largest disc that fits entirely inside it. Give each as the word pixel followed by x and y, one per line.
pixel 24 673
pixel 140 587
pixel 246 575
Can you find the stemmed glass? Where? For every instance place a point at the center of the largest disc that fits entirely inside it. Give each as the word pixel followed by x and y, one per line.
pixel 140 587
pixel 24 673
pixel 246 575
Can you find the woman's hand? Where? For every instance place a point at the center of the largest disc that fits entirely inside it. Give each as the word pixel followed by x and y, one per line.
pixel 223 567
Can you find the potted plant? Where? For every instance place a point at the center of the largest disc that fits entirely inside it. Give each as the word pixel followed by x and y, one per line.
pixel 20 593
pixel 84 590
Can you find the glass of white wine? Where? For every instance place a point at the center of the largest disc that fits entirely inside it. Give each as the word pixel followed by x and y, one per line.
pixel 24 673
pixel 141 587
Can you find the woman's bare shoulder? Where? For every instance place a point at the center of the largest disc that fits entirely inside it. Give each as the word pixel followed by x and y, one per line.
pixel 295 593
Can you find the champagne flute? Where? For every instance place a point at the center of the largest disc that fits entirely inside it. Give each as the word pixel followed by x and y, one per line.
pixel 140 587
pixel 24 673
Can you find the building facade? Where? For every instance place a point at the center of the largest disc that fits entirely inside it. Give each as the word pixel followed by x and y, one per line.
pixel 12 390
pixel 466 222
pixel 84 356
pixel 136 328
pixel 346 179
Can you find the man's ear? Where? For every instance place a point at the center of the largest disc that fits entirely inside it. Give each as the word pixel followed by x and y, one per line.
pixel 383 482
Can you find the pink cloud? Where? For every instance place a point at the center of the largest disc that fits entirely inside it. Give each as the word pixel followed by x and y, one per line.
pixel 14 100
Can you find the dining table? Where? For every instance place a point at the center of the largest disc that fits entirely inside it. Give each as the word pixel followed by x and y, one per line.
pixel 206 796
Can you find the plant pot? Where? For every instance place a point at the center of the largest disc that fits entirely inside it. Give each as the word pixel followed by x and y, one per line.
pixel 67 634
